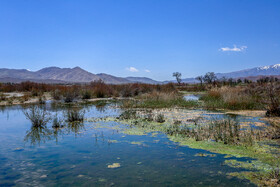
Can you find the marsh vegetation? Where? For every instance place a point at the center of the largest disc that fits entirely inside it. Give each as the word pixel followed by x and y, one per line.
pixel 225 135
pixel 162 109
pixel 37 115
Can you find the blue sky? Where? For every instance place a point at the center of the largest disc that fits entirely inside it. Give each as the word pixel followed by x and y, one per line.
pixel 150 38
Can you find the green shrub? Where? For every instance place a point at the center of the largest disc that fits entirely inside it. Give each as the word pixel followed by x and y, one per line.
pixel 86 94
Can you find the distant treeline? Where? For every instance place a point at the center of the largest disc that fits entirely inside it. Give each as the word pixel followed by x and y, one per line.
pixel 211 78
pixel 94 89
pixel 102 89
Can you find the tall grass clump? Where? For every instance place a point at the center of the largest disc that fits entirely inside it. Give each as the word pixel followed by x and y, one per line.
pixel 234 98
pixel 75 115
pixel 158 99
pixel 226 131
pixel 37 115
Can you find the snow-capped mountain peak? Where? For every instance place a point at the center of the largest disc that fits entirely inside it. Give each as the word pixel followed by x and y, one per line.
pixel 275 66
pixel 258 71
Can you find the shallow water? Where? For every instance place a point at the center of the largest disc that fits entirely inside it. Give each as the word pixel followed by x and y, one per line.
pixel 81 155
pixel 192 97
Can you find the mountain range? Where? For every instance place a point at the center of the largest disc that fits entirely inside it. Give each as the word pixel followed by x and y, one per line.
pixel 79 75
pixel 259 71
pixel 66 75
pixel 251 74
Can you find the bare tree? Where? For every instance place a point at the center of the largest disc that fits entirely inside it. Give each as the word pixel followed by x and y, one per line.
pixel 209 77
pixel 200 79
pixel 178 76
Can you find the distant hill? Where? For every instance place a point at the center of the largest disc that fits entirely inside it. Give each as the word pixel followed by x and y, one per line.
pixel 17 74
pixel 112 79
pixel 65 75
pixel 74 75
pixel 142 80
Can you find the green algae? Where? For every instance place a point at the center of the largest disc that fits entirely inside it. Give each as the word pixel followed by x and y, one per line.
pixel 154 134
pixel 256 151
pixel 136 143
pixel 113 141
pixel 205 155
pixel 258 178
pixel 134 131
pixel 250 165
pixel 265 161
pixel 265 155
pixel 142 127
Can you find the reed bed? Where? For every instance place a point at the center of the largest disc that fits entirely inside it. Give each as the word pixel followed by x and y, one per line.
pixel 157 99
pixel 234 98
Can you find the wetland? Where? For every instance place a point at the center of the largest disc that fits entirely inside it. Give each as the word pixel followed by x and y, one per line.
pixel 112 146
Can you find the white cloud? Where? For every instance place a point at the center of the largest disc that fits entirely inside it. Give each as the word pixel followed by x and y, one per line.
pixel 235 49
pixel 132 69
pixel 148 71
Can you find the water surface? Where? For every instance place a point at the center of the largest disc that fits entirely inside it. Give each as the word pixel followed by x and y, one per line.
pixel 192 97
pixel 80 155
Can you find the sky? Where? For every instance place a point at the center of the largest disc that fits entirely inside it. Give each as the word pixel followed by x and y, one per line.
pixel 151 38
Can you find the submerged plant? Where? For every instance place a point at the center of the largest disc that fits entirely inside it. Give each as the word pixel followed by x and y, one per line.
pixel 37 115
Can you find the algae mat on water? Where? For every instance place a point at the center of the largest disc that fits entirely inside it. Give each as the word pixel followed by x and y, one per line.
pixel 265 157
